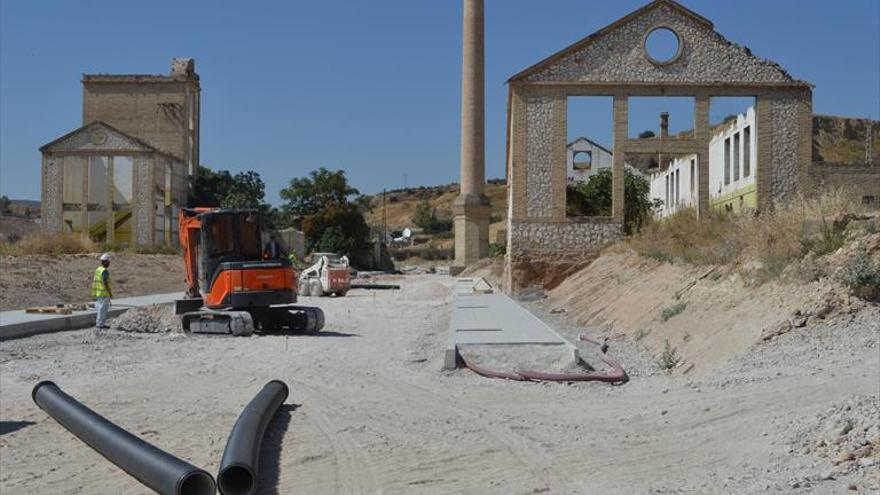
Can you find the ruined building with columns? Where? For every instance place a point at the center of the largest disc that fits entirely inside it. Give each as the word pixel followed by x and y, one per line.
pixel 122 176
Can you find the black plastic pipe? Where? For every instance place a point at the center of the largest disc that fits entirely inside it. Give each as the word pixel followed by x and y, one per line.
pixel 150 465
pixel 240 463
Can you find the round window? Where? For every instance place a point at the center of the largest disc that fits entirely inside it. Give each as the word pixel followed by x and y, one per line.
pixel 662 46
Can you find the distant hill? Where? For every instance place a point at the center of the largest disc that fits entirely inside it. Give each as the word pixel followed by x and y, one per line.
pixel 400 204
pixel 842 140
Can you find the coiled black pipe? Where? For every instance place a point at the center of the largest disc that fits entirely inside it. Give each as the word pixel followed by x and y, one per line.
pixel 150 465
pixel 239 466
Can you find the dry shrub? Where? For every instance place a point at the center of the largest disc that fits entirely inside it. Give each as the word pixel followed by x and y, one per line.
pixel 765 244
pixel 49 244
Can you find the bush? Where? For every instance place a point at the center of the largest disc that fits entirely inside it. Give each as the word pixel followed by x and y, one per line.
pixel 672 311
pixel 593 199
pixel 765 243
pixel 339 230
pixel 669 358
pixel 55 244
pixel 861 276
pixel 497 250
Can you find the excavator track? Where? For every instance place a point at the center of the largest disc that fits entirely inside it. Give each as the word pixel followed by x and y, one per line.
pixel 237 323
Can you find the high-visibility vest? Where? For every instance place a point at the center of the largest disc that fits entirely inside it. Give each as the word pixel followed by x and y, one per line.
pixel 98 287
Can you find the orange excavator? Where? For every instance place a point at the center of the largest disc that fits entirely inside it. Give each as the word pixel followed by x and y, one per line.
pixel 231 289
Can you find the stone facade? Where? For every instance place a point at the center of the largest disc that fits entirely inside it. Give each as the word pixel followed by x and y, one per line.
pixel 614 62
pixel 119 186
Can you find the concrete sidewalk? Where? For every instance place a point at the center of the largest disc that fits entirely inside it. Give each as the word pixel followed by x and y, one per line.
pixel 483 317
pixel 18 324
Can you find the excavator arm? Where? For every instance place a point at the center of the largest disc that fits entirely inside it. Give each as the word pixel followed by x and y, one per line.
pixel 189 229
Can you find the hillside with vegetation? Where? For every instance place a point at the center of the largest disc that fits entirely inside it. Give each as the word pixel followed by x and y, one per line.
pixel 844 141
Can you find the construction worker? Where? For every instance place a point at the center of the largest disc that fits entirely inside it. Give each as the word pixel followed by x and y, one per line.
pixel 272 250
pixel 101 291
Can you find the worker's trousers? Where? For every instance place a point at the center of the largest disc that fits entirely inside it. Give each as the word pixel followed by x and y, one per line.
pixel 102 305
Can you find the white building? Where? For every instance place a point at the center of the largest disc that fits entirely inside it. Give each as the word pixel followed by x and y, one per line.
pixel 733 164
pixel 585 158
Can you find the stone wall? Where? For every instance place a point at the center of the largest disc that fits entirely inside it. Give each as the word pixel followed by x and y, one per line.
pixel 539 180
pixel 574 237
pixel 706 56
pixel 52 194
pixel 784 158
pixel 144 207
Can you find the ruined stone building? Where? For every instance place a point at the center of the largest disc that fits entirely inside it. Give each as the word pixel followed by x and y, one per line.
pixel 123 175
pixel 774 149
pixel 614 62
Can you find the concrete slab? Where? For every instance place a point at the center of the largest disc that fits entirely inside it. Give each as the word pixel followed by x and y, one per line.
pixel 19 324
pixel 493 319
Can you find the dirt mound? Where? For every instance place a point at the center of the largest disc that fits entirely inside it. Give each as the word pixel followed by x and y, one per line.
pixel 491 269
pixel 429 291
pixel 159 318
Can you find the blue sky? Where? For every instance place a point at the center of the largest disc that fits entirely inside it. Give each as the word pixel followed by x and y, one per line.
pixel 371 87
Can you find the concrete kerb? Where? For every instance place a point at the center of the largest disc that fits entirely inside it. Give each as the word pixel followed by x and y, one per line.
pixel 20 324
pixel 483 317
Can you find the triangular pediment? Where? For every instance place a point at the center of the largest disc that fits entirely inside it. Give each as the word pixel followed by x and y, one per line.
pixel 97 136
pixel 616 54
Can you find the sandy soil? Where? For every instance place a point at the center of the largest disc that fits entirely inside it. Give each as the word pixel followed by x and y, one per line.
pixel 711 313
pixel 48 280
pixel 370 410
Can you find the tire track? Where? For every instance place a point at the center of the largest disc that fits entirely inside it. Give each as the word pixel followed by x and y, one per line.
pixel 354 471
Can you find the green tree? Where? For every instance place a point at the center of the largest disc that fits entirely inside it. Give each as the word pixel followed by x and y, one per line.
pixel 321 189
pixel 425 217
pixel 330 212
pixel 646 134
pixel 247 190
pixel 593 198
pixel 4 204
pixel 221 189
pixel 210 187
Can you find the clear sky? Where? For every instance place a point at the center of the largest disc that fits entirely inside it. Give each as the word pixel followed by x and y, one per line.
pixel 371 87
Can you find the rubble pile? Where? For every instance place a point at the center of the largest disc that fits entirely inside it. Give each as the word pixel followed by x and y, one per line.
pixel 158 318
pixel 847 435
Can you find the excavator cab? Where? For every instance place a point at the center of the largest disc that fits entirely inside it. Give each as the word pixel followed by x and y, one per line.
pixel 230 288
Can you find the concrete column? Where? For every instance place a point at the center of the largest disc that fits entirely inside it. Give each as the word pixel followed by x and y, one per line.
pixel 471 208
pixel 472 99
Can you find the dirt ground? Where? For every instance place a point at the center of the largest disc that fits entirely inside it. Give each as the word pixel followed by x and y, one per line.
pixel 371 411
pixel 40 280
